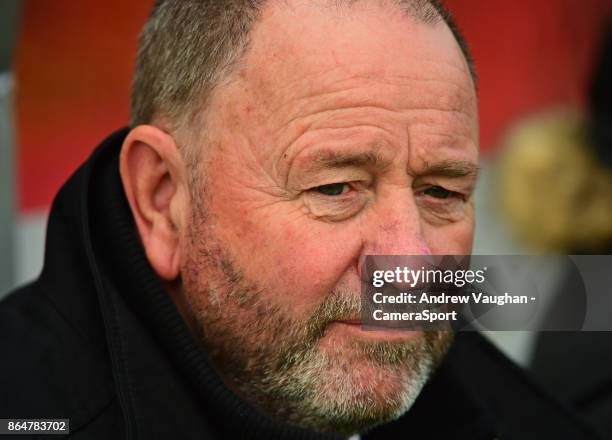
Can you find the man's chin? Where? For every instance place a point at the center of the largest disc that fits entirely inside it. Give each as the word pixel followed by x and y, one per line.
pixel 366 379
pixel 363 398
pixel 385 392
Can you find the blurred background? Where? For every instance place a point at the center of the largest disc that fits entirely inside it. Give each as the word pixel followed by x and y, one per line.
pixel 544 90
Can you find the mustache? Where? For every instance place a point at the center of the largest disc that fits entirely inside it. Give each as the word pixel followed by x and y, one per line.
pixel 334 308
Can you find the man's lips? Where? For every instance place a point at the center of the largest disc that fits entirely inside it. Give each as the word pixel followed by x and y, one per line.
pixel 354 328
pixel 349 321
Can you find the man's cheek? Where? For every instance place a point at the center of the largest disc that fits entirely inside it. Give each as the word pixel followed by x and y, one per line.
pixel 453 239
pixel 311 262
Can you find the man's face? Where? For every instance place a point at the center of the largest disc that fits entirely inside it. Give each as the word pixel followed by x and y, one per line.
pixel 343 133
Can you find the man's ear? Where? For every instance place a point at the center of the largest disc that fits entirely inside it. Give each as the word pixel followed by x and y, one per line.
pixel 154 179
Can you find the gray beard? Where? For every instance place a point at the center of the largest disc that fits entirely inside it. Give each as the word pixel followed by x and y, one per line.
pixel 273 361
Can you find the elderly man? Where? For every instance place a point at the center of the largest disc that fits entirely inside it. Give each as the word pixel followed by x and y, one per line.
pixel 202 268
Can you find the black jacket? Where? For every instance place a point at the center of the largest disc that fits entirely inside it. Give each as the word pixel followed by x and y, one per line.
pixel 96 339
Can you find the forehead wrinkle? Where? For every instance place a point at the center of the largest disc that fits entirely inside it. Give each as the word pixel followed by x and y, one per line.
pixel 312 102
pixel 376 140
pixel 460 142
pixel 332 107
pixel 342 93
pixel 458 125
pixel 298 128
pixel 326 121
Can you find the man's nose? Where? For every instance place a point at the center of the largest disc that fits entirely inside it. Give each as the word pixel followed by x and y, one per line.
pixel 395 228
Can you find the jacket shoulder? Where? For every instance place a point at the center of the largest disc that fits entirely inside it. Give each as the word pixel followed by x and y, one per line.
pixel 522 407
pixel 49 368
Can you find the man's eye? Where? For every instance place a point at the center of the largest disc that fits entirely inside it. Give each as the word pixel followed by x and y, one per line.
pixel 333 189
pixel 438 192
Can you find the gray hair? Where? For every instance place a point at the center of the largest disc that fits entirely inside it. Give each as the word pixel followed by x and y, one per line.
pixel 187 47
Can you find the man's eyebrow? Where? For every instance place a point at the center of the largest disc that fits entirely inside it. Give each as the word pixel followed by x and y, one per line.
pixel 345 159
pixel 451 168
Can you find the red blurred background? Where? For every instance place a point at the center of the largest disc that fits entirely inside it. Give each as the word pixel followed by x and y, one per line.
pixel 74 64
